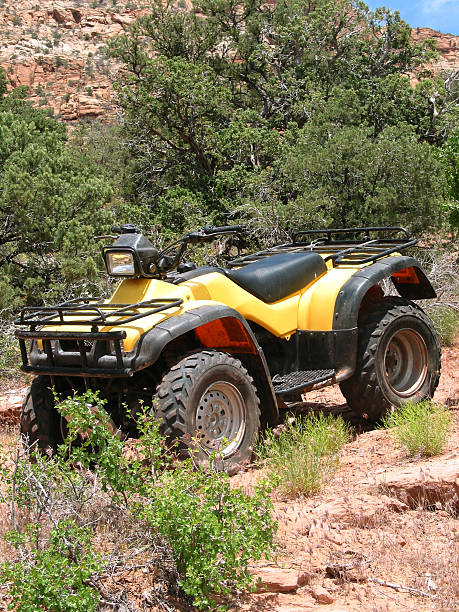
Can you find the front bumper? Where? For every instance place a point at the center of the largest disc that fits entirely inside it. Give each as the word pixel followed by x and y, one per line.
pixel 93 354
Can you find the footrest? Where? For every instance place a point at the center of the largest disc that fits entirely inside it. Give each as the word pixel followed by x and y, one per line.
pixel 295 381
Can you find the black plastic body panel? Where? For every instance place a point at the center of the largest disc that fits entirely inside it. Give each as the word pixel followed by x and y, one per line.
pixel 152 343
pixel 352 292
pixel 335 350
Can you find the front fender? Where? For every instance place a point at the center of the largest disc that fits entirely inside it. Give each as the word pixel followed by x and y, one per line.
pixel 237 338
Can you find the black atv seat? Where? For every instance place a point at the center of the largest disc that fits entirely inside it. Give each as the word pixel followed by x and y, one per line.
pixel 275 277
pixel 272 278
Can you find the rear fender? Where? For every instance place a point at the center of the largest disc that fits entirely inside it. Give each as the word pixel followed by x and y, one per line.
pixel 215 327
pixel 409 279
pixel 406 273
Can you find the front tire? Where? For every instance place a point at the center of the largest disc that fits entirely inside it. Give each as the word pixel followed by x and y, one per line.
pixel 398 360
pixel 207 402
pixel 40 421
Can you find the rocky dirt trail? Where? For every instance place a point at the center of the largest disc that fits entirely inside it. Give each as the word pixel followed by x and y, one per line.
pixel 383 535
pixel 383 521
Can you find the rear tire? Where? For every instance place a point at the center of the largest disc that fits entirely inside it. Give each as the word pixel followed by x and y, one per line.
pixel 40 421
pixel 210 397
pixel 398 359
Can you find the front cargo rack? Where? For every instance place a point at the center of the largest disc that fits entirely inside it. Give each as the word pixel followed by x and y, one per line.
pixel 86 312
pixel 91 312
pixel 352 246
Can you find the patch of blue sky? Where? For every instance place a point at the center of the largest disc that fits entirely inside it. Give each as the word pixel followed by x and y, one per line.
pixel 442 15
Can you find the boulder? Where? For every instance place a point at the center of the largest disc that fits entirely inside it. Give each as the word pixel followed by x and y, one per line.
pixel 435 483
pixel 10 406
pixel 322 595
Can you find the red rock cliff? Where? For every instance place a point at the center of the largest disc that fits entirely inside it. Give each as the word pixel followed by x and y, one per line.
pixel 56 49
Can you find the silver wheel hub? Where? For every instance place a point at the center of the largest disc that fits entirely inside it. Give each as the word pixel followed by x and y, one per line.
pixel 220 418
pixel 405 362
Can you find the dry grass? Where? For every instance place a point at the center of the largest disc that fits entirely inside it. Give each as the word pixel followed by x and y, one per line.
pixel 421 552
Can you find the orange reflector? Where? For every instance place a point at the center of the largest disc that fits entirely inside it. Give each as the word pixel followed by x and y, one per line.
pixel 226 333
pixel 406 276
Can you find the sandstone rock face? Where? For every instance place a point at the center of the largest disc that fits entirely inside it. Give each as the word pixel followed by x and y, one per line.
pixel 360 511
pixel 432 484
pixel 447 48
pixel 56 49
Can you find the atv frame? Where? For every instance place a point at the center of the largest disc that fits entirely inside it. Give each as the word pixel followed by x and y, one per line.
pixel 269 326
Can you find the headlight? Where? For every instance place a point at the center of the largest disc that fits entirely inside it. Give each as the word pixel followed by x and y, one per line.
pixel 120 263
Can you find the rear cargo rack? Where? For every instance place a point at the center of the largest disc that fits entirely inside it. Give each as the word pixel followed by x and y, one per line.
pixel 353 246
pixel 87 312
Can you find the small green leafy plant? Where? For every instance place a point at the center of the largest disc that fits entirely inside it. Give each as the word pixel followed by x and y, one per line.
pixel 213 530
pixel 55 577
pixel 304 454
pixel 422 428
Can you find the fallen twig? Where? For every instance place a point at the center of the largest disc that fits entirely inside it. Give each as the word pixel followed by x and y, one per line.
pixel 401 587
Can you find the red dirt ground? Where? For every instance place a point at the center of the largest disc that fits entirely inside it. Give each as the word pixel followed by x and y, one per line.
pixel 413 548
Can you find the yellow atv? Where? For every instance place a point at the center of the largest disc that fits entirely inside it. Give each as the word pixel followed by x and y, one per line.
pixel 217 351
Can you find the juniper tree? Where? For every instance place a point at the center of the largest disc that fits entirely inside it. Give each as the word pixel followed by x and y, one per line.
pixel 293 111
pixel 51 205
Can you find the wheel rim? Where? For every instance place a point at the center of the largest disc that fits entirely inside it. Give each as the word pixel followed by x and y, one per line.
pixel 405 362
pixel 220 418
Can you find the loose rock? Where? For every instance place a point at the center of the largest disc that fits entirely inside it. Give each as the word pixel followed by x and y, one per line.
pixel 276 580
pixel 322 595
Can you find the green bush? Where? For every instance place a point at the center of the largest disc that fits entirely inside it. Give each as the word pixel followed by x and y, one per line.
pixel 421 428
pixel 55 577
pixel 213 530
pixel 446 321
pixel 305 453
pixel 10 355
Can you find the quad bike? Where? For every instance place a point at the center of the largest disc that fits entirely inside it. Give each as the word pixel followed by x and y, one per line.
pixel 218 351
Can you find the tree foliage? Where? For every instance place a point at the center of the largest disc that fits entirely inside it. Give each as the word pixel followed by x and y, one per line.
pixel 287 112
pixel 449 156
pixel 52 202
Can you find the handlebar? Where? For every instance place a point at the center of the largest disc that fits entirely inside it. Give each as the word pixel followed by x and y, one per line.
pixel 209 233
pixel 222 229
